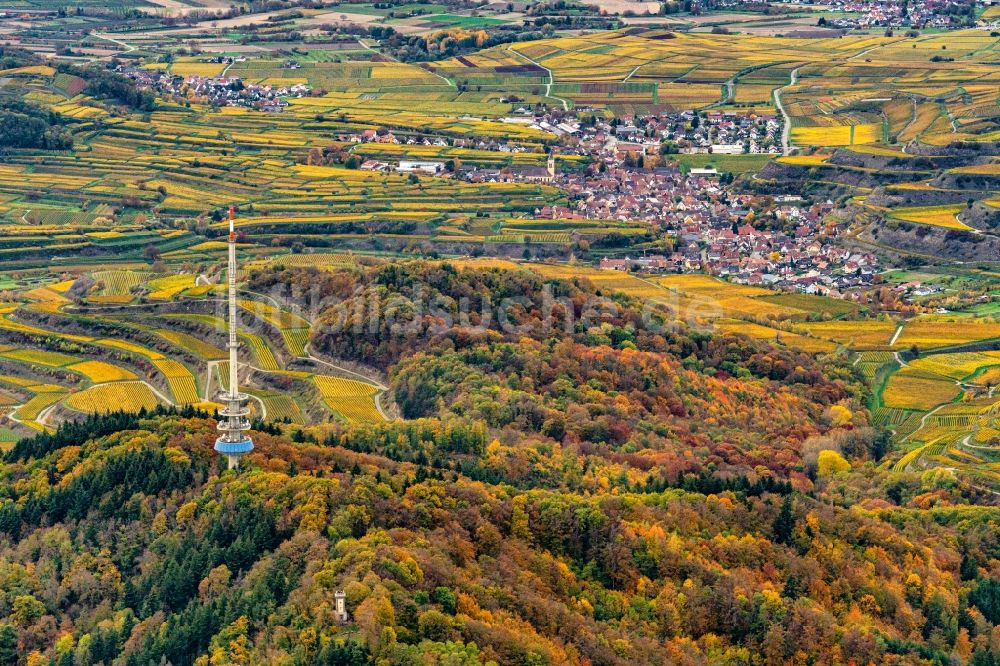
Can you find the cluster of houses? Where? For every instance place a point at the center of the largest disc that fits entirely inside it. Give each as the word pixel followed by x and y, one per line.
pixel 917 289
pixel 875 13
pixel 386 136
pixel 719 132
pixel 807 259
pixel 716 132
pixel 895 13
pixel 749 238
pixel 432 167
pixel 723 242
pixel 538 174
pixel 217 90
pixel 562 127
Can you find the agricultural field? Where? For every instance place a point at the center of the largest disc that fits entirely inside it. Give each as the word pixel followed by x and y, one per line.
pixel 31 411
pixel 723 163
pixel 100 372
pixel 353 400
pixel 133 216
pixel 199 347
pixel 815 159
pixel 294 329
pixel 932 331
pixel 165 288
pixel 938 216
pixel 914 390
pixel 836 135
pixel 180 380
pixel 958 366
pixel 776 336
pixel 127 396
pixel 857 335
pixel 261 354
pixel 279 406
pixel 940 405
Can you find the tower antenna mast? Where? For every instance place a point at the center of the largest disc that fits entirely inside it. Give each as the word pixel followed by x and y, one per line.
pixel 234 441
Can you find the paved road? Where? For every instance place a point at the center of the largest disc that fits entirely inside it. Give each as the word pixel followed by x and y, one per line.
pixel 128 47
pixel 895 336
pixel 548 86
pixel 786 131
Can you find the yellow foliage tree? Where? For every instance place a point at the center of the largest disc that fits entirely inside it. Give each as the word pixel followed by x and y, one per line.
pixel 373 615
pixel 831 462
pixel 840 415
pixel 519 518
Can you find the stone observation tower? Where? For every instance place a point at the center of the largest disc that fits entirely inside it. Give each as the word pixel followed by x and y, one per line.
pixel 233 423
pixel 341 607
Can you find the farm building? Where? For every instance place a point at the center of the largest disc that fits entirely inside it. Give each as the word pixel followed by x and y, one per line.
pixel 412 166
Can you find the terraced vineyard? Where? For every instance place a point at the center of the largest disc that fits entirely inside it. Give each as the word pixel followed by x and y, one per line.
pixel 174 158
pixel 151 360
pixel 199 347
pixel 279 407
pixel 262 355
pixel 293 328
pixel 180 380
pixel 29 412
pixel 353 400
pixel 117 242
pixel 127 396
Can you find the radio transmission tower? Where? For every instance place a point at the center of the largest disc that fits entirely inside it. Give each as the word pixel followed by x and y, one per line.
pixel 234 441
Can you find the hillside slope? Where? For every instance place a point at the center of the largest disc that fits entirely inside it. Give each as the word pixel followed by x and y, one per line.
pixel 677 514
pixel 130 548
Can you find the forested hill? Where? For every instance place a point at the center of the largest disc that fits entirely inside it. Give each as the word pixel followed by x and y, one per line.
pixel 130 547
pixel 564 366
pixel 681 530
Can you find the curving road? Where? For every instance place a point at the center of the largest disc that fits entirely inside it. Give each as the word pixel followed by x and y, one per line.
pixel 786 131
pixel 548 86
pixel 128 47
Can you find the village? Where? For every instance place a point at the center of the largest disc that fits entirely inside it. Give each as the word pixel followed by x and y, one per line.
pixel 752 239
pixel 749 239
pixel 784 242
pixel 898 14
pixel 695 213
pixel 215 90
pixel 861 14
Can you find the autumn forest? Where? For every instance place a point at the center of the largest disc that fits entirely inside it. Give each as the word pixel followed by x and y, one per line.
pixel 633 491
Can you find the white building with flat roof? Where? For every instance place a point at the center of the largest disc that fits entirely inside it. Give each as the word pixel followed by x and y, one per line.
pixel 411 166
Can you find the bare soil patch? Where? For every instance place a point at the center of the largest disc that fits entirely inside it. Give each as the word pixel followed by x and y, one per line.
pixel 622 6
